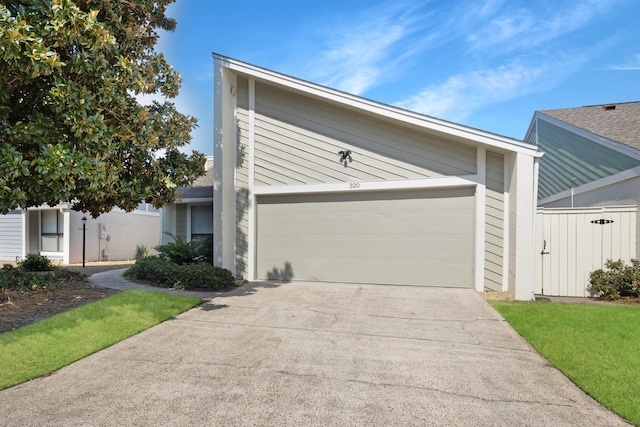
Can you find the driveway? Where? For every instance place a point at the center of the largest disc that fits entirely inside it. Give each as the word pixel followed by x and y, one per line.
pixel 314 354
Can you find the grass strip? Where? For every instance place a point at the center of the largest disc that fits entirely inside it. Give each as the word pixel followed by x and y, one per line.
pixel 43 347
pixel 595 346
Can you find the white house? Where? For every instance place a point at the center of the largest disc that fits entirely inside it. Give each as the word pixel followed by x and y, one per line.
pixel 57 233
pixel 315 184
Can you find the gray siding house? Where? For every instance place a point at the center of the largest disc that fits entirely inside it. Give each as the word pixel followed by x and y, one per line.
pixel 192 216
pixel 314 184
pixel 591 156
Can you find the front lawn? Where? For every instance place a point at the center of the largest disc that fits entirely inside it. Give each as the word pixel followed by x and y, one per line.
pixel 595 346
pixel 43 347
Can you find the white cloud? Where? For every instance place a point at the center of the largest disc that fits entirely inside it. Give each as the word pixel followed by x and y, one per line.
pixel 359 52
pixel 459 96
pixel 632 64
pixel 524 28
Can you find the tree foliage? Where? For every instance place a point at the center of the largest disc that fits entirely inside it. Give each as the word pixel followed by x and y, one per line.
pixel 71 127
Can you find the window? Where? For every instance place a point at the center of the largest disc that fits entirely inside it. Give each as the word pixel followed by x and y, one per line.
pixel 201 222
pixel 52 230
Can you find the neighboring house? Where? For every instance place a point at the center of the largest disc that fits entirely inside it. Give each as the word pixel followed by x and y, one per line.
pixel 314 184
pixel 57 232
pixel 591 156
pixel 588 193
pixel 191 217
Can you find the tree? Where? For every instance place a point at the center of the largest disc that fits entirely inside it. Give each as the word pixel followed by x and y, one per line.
pixel 71 127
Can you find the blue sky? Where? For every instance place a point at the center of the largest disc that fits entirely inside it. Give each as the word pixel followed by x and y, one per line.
pixel 487 64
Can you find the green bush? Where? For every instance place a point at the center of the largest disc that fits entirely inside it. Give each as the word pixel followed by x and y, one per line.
pixel 182 252
pixel 616 280
pixel 36 262
pixel 168 274
pixel 20 279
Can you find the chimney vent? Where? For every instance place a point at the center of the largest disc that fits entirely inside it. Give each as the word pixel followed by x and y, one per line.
pixel 608 107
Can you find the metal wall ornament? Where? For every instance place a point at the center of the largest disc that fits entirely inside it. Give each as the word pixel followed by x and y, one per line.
pixel 345 157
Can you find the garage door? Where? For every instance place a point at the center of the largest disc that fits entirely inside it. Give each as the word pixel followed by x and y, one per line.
pixel 404 238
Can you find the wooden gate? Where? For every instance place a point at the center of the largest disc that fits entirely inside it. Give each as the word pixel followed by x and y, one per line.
pixel 572 242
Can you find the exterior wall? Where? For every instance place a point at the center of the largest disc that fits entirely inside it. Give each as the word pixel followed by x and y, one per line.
pixel 33 231
pixel 276 135
pixel 298 140
pixel 181 220
pixel 11 232
pixel 522 226
pixel 242 179
pixel 168 221
pixel 113 235
pixel 494 223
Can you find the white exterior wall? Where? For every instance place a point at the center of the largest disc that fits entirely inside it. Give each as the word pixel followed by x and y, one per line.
pixel 121 232
pixel 11 236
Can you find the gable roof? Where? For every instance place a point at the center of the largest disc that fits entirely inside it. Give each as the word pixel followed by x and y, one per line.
pixel 383 111
pixel 202 188
pixel 617 122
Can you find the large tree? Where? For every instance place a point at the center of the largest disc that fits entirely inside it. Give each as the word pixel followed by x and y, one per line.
pixel 71 127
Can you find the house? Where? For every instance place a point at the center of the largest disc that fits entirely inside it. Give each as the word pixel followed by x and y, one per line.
pixel 589 192
pixel 191 217
pixel 57 233
pixel 592 156
pixel 314 184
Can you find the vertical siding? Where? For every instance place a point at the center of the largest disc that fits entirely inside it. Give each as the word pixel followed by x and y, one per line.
pixel 242 179
pixel 494 223
pixel 11 235
pixel 34 231
pixel 298 139
pixel 181 220
pixel 574 246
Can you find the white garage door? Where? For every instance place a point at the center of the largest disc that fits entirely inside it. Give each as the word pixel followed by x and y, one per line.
pixel 405 238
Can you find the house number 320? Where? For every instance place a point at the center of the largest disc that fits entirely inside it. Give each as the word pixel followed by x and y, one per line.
pixel 354 185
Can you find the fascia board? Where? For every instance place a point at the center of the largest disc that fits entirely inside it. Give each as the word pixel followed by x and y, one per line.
pixel 606 142
pixel 395 113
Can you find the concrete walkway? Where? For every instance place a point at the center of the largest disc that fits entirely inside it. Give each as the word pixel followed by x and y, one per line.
pixel 319 354
pixel 113 279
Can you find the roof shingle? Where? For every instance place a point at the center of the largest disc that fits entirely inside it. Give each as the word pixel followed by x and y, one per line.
pixel 617 122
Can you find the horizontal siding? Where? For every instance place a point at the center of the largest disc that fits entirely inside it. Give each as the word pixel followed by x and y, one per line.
pixel 494 222
pixel 11 235
pixel 568 156
pixel 298 139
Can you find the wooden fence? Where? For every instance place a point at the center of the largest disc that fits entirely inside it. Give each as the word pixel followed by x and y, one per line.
pixel 572 242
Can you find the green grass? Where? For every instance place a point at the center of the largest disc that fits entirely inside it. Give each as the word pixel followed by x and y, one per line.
pixel 595 346
pixel 43 347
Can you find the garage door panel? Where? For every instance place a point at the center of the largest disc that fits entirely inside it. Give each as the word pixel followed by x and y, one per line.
pixel 421 238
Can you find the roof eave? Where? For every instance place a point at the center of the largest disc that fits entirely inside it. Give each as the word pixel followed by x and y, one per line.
pixel 391 112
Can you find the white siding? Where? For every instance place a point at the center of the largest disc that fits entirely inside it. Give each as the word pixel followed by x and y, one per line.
pixel 11 236
pixel 574 246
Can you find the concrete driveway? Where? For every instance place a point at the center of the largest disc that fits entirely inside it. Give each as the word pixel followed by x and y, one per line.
pixel 314 354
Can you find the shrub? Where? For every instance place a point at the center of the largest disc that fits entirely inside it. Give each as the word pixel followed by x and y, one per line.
pixel 142 251
pixel 20 279
pixel 168 274
pixel 616 280
pixel 182 252
pixel 36 262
